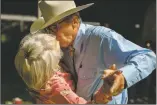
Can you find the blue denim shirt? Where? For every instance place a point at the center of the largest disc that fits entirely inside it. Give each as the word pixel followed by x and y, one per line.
pixel 97 48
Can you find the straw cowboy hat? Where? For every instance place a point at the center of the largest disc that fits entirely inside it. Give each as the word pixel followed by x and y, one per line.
pixel 53 11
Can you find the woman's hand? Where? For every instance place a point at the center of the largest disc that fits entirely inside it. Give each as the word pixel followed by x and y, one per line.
pixel 60 87
pixel 56 88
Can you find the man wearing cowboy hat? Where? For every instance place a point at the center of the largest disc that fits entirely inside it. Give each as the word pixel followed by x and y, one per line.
pixel 89 51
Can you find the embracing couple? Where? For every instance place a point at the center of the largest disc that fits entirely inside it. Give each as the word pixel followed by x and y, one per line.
pixel 64 61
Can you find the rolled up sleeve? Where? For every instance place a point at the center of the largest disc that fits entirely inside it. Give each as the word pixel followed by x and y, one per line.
pixel 135 62
pixel 138 67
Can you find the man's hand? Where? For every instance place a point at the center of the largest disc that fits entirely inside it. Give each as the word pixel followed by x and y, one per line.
pixel 101 98
pixel 113 81
pixel 113 85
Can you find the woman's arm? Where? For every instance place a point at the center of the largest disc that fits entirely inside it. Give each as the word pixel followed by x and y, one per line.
pixel 61 85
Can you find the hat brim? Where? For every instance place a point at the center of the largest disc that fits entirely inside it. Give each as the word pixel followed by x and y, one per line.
pixel 40 24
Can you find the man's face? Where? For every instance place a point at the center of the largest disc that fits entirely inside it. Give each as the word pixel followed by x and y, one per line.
pixel 66 31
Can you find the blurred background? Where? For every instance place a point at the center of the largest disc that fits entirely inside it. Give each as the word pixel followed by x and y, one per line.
pixel 134 19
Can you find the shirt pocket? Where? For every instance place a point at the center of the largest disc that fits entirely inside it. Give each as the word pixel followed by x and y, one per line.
pixel 87 73
pixel 86 76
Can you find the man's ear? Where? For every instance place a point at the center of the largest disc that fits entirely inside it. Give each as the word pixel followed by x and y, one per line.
pixel 75 22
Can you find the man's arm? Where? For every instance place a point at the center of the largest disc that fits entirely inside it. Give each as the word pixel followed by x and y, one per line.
pixel 137 62
pixel 138 67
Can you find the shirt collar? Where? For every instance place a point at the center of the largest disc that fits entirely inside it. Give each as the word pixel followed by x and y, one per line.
pixel 81 32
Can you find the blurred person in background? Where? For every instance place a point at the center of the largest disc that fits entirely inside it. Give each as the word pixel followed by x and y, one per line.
pixel 149 39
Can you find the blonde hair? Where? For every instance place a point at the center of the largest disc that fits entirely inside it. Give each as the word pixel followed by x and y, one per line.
pixel 37 59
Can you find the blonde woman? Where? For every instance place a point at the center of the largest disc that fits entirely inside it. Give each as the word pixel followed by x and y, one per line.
pixel 37 63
